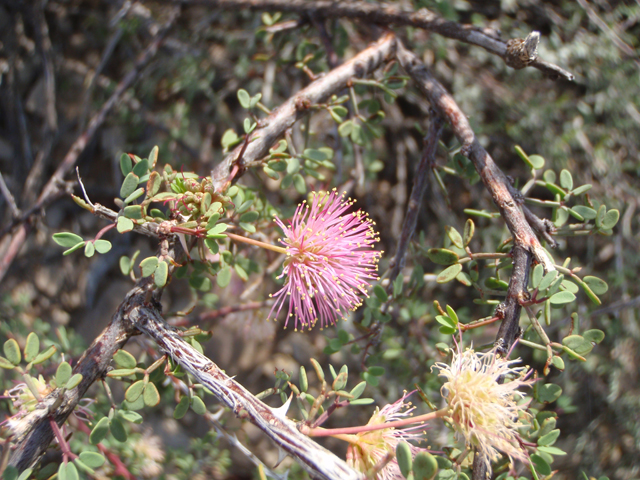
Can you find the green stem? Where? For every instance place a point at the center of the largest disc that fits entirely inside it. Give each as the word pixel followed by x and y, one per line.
pixel 257 243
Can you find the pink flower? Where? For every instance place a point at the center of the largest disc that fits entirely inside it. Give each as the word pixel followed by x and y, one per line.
pixel 330 261
pixel 369 450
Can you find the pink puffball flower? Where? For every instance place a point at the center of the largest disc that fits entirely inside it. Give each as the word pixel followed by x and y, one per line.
pixel 486 407
pixel 370 449
pixel 330 261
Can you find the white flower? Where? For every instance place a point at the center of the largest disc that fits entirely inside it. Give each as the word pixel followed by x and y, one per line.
pixel 482 393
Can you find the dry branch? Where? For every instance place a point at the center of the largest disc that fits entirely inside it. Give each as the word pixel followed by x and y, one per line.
pixel 319 462
pixel 386 15
pixel 285 116
pixel 53 187
pixel 33 432
pixel 493 178
pixel 415 201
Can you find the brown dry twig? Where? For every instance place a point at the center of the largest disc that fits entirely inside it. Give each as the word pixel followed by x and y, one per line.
pixel 387 14
pixel 53 189
pixel 285 116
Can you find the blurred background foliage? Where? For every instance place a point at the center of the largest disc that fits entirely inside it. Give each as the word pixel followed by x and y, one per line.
pixel 186 99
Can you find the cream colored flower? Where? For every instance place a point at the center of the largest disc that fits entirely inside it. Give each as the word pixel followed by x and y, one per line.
pixel 370 449
pixel 484 411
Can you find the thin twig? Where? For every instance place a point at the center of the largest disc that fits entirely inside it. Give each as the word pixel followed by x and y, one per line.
pixel 52 188
pixel 384 14
pixel 6 193
pixel 285 116
pixel 493 178
pixel 415 201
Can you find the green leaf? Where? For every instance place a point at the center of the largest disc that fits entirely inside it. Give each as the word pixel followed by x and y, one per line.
pixel 31 347
pixel 248 126
pixel 121 372
pixel 398 285
pixel 536 276
pixel 161 274
pixel 345 128
pixel 200 283
pixel 141 168
pixel 446 321
pixel 124 225
pixel 547 280
pixel 376 371
pixel 452 314
pixel 548 393
pixel 229 138
pixel 566 180
pixel 181 408
pixel 130 416
pixel 74 381
pixel 582 189
pixel 610 219
pixel 425 466
pixel 89 250
pixel 449 273
pixel 551 450
pixel 561 298
pixel 358 390
pixel 299 184
pixel 244 98
pixel 587 213
pixel 558 362
pixel 578 344
pixel 124 359
pixel 454 236
pixel 135 212
pixel 25 474
pixel 72 472
pixel 67 239
pixel 99 431
pixel 136 194
pixel 549 439
pixel 149 265
pixel 73 249
pixel 597 285
pixel 117 430
pixel 102 246
pixel 241 272
pixel 6 364
pixel 126 165
pixel 134 391
pixel 362 401
pixel 469 229
pixel 540 464
pixel 198 406
pixel 600 216
pixel 224 277
pixel 569 286
pixel 442 256
pixel 151 395
pixel 129 184
pixel 44 356
pixel 12 351
pixel 593 335
pixel 92 459
pixel 255 99
pixel 380 293
pixel 216 231
pixel 249 216
pixel 403 456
